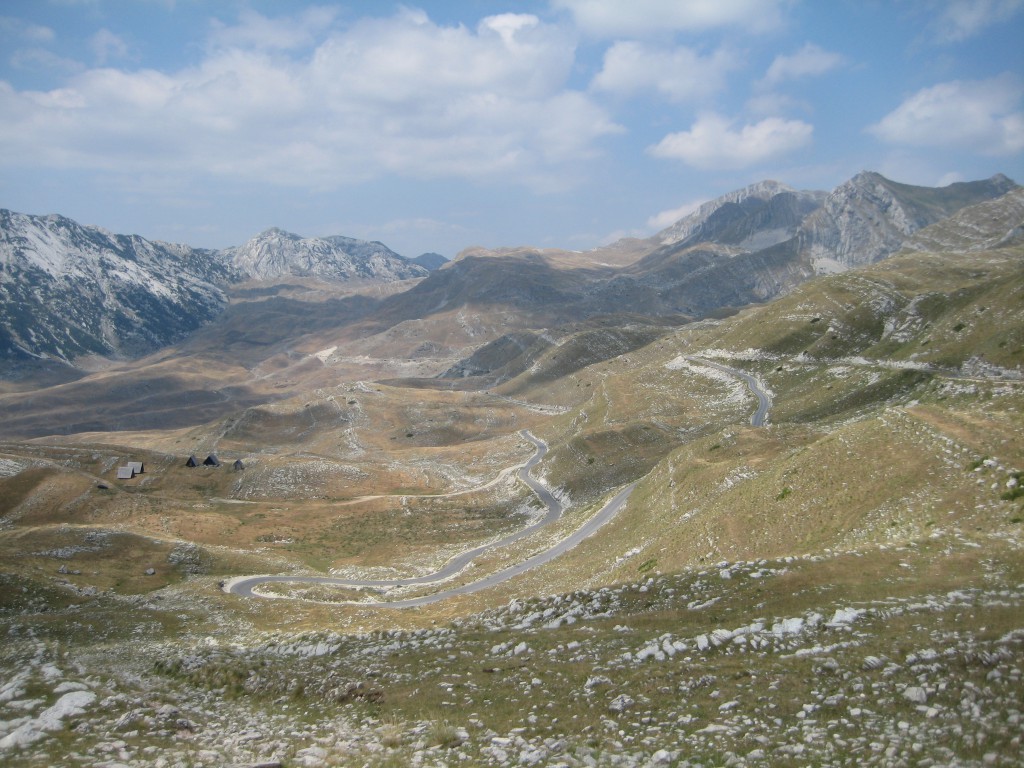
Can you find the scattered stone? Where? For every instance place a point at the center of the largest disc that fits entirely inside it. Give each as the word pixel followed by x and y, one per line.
pixel 621 703
pixel 661 757
pixel 52 719
pixel 596 681
pixel 916 695
pixel 720 637
pixel 311 757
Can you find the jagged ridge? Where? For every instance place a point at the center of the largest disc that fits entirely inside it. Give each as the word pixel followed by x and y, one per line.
pixel 275 253
pixel 70 290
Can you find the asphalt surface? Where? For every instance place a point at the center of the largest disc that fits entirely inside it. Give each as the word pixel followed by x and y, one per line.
pixel 245 587
pixel 760 416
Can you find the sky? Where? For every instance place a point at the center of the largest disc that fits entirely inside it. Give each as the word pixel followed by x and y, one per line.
pixel 439 125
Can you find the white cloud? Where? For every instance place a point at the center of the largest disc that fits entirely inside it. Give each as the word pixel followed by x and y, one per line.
pixel 23 30
pixel 713 142
pixel 809 61
pixel 282 33
pixel 640 18
pixel 678 73
pixel 983 115
pixel 667 218
pixel 34 56
pixel 106 45
pixel 508 25
pixel 410 58
pixel 963 19
pixel 43 59
pixel 400 95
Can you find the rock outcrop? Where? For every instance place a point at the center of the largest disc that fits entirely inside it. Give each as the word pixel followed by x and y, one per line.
pixel 870 217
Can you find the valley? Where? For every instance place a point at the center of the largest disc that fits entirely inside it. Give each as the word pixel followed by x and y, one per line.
pixel 545 508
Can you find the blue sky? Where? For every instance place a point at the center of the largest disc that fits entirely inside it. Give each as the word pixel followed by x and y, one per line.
pixel 434 126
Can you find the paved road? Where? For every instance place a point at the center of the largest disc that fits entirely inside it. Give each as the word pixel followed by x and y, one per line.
pixel 764 402
pixel 246 586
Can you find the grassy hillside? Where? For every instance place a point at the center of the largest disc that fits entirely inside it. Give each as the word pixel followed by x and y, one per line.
pixel 842 585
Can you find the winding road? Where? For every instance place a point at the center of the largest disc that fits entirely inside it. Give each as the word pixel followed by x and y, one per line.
pixel 246 586
pixel 764 402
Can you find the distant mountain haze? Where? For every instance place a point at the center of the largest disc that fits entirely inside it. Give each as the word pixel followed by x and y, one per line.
pixel 276 253
pixel 71 291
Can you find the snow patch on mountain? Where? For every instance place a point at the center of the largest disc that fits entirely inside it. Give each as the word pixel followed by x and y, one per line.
pixel 70 290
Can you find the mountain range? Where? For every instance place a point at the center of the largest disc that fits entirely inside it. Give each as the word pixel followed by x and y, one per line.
pixel 283 309
pixel 747 492
pixel 71 291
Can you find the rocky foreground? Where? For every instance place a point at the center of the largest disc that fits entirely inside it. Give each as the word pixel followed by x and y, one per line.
pixel 903 656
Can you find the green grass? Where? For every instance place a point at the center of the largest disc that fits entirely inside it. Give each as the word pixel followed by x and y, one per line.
pixel 433 690
pixel 870 488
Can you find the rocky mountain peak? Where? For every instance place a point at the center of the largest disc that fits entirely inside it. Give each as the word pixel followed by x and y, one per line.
pixel 68 290
pixel 71 290
pixel 276 253
pixel 757 216
pixel 869 217
pixel 277 234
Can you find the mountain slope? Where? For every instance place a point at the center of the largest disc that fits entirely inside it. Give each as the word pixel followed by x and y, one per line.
pixel 70 290
pixel 763 241
pixel 1000 225
pixel 276 253
pixel 301 334
pixel 869 217
pixel 430 261
pixel 754 217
